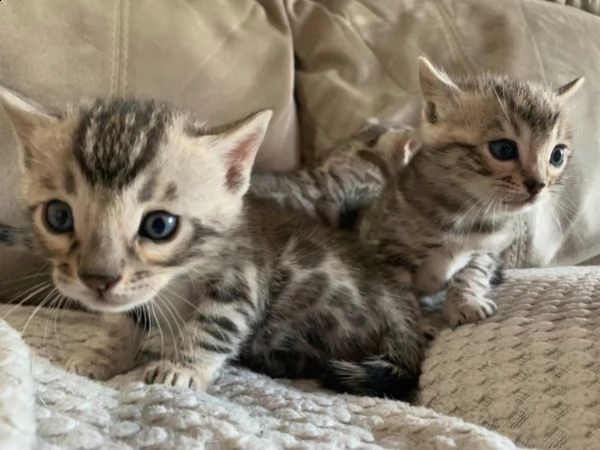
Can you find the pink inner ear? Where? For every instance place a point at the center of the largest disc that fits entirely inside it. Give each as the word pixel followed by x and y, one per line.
pixel 238 159
pixel 411 146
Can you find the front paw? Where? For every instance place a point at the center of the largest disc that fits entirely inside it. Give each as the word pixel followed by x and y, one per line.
pixel 174 374
pixel 467 309
pixel 94 365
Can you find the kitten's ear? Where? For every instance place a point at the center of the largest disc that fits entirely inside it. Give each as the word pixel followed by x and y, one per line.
pixel 24 114
pixel 238 146
pixel 435 84
pixel 411 146
pixel 437 88
pixel 567 90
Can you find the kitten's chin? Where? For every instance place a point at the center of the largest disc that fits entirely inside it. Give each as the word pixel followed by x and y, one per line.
pixel 111 305
pixel 521 206
pixel 108 302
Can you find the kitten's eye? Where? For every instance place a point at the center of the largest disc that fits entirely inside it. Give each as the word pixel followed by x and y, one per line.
pixel 504 149
pixel 557 157
pixel 158 226
pixel 58 216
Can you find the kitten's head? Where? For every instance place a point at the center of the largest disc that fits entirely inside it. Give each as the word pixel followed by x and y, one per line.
pixel 126 195
pixel 498 142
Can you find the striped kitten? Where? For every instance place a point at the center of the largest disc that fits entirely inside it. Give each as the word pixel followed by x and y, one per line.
pixel 345 179
pixel 491 148
pixel 142 211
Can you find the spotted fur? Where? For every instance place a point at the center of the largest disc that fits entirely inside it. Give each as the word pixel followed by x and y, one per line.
pixel 237 281
pixel 345 179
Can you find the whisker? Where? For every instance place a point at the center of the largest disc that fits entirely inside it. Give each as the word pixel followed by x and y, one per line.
pixel 35 311
pixel 51 317
pixel 162 338
pixel 60 310
pixel 179 321
pixel 183 299
pixel 35 290
pixel 162 313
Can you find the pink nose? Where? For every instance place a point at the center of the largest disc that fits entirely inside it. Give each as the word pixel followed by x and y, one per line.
pixel 99 282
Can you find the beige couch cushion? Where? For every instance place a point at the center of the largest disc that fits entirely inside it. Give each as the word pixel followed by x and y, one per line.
pixel 357 59
pixel 222 59
pixel 531 371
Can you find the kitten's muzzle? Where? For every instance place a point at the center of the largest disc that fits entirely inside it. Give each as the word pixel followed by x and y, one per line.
pixel 100 283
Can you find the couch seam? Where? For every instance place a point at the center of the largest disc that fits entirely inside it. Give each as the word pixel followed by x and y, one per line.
pixel 454 36
pixel 115 52
pixel 118 81
pixel 124 53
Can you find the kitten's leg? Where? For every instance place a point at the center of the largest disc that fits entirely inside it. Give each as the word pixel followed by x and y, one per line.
pixel 466 299
pixel 103 359
pixel 208 339
pixel 437 269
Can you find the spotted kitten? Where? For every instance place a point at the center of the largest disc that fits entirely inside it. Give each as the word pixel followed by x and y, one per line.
pixel 142 211
pixel 488 148
pixel 491 148
pixel 344 180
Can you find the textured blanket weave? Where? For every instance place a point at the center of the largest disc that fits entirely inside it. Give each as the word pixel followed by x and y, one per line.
pixel 529 373
pixel 17 419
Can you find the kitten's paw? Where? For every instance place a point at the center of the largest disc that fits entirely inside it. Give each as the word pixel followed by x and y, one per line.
pixel 431 327
pixel 173 374
pixel 93 364
pixel 429 330
pixel 460 310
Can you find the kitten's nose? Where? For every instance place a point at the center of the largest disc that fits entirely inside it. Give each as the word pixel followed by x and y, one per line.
pixel 99 282
pixel 534 186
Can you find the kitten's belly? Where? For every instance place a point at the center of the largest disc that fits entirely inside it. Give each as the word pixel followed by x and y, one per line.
pixel 174 305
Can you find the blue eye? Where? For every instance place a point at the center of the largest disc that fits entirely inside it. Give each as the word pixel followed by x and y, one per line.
pixel 504 149
pixel 557 157
pixel 158 226
pixel 58 217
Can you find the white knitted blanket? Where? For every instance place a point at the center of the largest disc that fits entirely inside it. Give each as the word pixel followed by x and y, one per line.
pixel 530 373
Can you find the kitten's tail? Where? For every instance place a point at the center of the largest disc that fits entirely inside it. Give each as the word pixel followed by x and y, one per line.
pixel 376 377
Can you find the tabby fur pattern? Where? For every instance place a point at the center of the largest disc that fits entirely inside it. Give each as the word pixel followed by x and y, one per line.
pixel 442 219
pixel 142 212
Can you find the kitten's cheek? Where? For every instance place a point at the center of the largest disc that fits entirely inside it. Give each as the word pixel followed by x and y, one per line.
pixel 56 246
pixel 68 290
pixel 156 254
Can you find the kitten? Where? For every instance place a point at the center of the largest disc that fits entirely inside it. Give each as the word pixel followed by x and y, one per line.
pixel 345 179
pixel 491 148
pixel 142 211
pixel 488 148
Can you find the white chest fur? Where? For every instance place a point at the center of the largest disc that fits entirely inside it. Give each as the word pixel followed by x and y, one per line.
pixel 441 264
